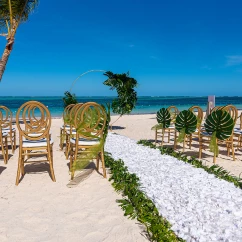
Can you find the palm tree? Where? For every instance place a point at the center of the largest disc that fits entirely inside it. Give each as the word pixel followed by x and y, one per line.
pixel 12 14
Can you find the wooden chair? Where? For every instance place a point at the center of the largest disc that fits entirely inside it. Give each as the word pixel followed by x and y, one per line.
pixel 71 131
pixel 6 126
pixel 89 133
pixel 205 137
pixel 171 129
pixel 4 146
pixel 34 135
pixel 66 125
pixel 199 113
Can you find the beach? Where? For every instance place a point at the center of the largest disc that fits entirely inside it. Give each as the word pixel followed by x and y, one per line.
pixel 41 210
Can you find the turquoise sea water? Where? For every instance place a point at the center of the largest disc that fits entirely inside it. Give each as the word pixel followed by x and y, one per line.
pixel 144 105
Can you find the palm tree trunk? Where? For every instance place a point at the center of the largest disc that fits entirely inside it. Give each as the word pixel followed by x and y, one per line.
pixel 5 56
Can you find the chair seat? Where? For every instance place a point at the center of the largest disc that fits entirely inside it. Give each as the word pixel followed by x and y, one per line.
pixel 206 134
pixel 71 132
pixel 4 134
pixel 35 143
pixel 65 126
pixel 36 134
pixel 85 141
pixel 7 130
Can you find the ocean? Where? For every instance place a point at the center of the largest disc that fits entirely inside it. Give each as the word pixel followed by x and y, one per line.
pixel 145 105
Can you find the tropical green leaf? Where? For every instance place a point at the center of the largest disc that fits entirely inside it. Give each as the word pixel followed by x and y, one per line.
pixel 157 127
pixel 69 99
pixel 213 145
pixel 186 120
pixel 181 136
pixel 163 117
pixel 220 122
pixel 127 96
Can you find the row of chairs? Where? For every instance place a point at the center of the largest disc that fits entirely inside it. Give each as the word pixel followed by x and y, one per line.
pixel 33 121
pixel 200 134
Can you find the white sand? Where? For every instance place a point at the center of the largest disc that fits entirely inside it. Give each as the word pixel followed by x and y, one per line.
pixel 41 210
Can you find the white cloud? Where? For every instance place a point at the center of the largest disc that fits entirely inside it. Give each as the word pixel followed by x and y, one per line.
pixel 234 60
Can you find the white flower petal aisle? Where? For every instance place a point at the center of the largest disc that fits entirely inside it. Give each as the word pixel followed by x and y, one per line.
pixel 199 206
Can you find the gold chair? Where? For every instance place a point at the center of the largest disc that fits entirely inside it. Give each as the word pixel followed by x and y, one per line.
pixel 199 113
pixel 171 129
pixel 90 120
pixel 71 131
pixel 205 137
pixel 66 125
pixel 6 126
pixel 4 146
pixel 34 136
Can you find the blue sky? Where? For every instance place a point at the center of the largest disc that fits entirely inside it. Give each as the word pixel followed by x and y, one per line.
pixel 170 47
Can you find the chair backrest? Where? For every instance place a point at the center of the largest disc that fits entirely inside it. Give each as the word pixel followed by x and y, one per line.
pixel 173 111
pixel 90 120
pixel 66 113
pixel 36 120
pixel 6 117
pixel 198 112
pixel 232 110
pixel 240 119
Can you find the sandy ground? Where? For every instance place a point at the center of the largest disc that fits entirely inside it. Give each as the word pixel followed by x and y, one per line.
pixel 139 127
pixel 41 210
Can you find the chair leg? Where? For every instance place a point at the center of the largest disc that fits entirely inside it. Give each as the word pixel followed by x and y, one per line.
pixel 73 157
pixel 155 136
pixel 50 155
pixel 14 140
pixel 67 146
pixel 169 135
pixel 200 149
pixel 163 134
pixel 61 139
pixel 19 166
pixel 175 139
pixel 97 165
pixel 11 141
pixel 190 141
pixel 232 148
pixel 103 164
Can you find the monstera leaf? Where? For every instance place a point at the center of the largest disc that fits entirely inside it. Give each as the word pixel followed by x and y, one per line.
pixel 164 118
pixel 186 123
pixel 220 124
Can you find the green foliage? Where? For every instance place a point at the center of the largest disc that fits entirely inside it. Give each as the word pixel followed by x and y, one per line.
pixel 218 171
pixel 20 10
pixel 186 123
pixel 163 117
pixel 136 204
pixel 107 109
pixel 69 99
pixel 220 122
pixel 89 128
pixel 127 96
pixel 221 125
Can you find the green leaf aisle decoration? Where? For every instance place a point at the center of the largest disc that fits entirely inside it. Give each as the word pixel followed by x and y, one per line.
pixel 163 117
pixel 220 124
pixel 89 127
pixel 186 123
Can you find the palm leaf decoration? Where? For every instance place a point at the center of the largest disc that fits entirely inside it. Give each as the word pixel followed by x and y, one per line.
pixel 186 123
pixel 220 124
pixel 163 117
